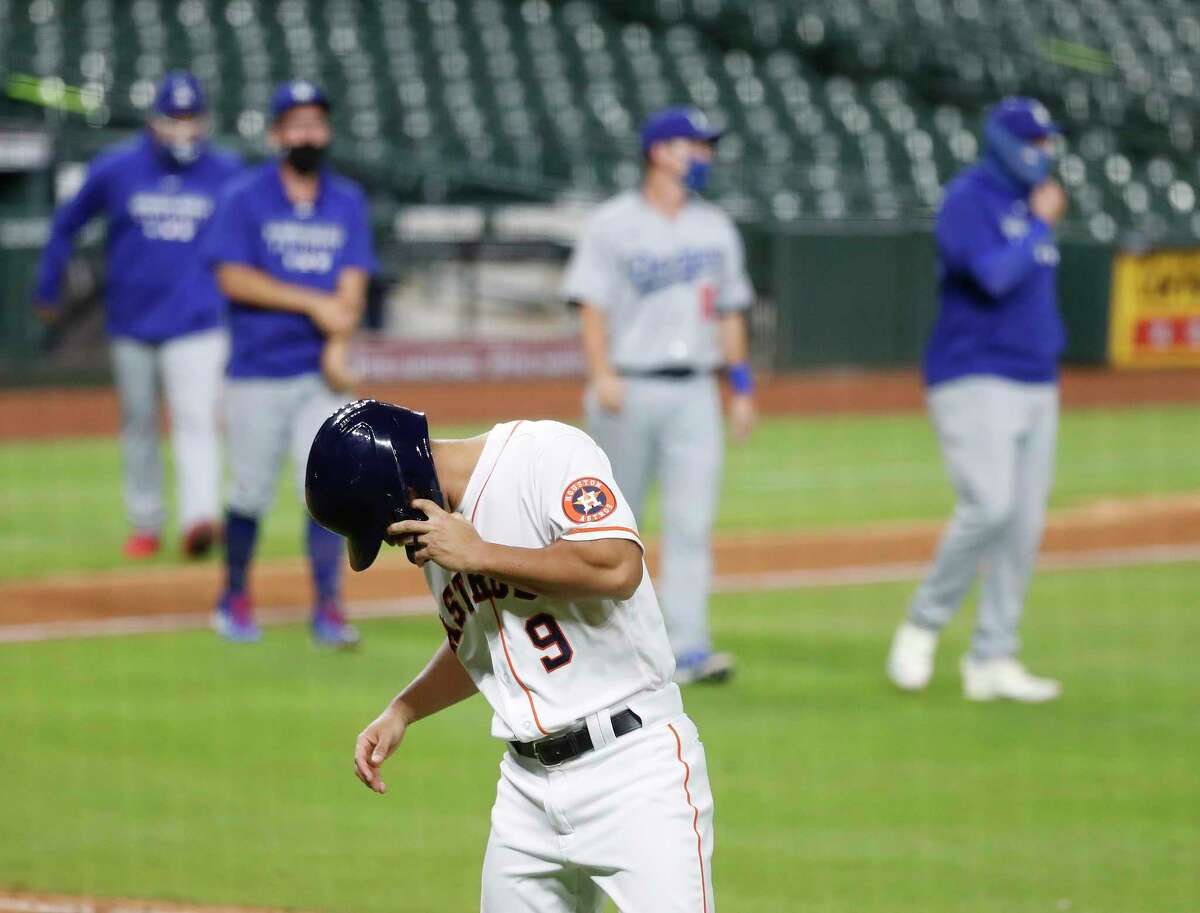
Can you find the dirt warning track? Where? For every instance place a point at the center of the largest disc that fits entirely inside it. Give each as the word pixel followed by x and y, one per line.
pixel 47 413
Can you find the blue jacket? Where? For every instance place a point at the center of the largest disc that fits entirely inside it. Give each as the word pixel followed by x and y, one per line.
pixel 157 284
pixel 997 266
pixel 257 225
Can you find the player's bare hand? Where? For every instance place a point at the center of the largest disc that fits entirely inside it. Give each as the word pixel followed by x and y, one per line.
pixel 446 539
pixel 375 745
pixel 742 417
pixel 1048 201
pixel 335 364
pixel 610 391
pixel 331 315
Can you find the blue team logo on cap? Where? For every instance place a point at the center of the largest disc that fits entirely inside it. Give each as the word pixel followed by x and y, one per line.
pixel 295 94
pixel 303 92
pixel 178 95
pixel 678 123
pixel 182 96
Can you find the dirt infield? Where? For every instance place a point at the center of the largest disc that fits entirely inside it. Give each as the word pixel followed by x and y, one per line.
pixel 57 412
pixel 61 903
pixel 741 561
pixel 854 554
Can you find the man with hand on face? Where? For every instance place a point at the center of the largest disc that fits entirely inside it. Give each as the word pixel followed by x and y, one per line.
pixel 659 277
pixel 991 371
pixel 292 251
pixel 157 194
pixel 535 563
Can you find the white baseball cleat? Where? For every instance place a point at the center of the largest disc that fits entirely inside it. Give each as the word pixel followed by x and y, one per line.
pixel 910 662
pixel 1005 678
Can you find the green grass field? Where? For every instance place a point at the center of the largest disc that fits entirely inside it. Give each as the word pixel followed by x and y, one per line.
pixel 60 502
pixel 178 767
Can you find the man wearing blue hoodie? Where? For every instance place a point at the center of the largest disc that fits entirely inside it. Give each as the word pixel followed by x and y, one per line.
pixel 157 193
pixel 991 371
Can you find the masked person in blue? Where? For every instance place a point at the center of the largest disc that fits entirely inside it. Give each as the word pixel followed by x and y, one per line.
pixel 164 314
pixel 292 251
pixel 991 370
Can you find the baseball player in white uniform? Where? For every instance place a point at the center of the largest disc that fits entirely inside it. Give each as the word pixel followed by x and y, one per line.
pixel 659 277
pixel 549 613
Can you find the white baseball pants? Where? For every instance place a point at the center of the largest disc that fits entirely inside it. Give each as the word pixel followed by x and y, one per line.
pixel 631 820
pixel 191 367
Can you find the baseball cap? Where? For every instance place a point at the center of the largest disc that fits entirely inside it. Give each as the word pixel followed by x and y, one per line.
pixel 294 94
pixel 179 94
pixel 1025 118
pixel 677 123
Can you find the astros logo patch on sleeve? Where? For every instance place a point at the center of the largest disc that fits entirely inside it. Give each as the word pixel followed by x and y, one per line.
pixel 588 500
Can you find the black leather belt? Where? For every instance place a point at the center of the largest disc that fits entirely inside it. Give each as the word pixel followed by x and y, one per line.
pixel 682 373
pixel 558 749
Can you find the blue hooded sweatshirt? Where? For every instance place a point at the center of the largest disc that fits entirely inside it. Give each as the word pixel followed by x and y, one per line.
pixel 158 284
pixel 997 269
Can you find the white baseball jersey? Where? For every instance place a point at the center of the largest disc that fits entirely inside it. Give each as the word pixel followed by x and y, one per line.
pixel 660 281
pixel 545 663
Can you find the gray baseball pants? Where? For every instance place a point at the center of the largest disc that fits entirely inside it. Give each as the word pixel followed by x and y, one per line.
pixel 998 441
pixel 671 429
pixel 190 368
pixel 266 419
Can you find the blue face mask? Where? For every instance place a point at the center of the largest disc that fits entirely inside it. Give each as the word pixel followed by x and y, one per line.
pixel 1022 161
pixel 696 178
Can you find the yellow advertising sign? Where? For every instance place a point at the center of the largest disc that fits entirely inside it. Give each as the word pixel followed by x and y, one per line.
pixel 1154 317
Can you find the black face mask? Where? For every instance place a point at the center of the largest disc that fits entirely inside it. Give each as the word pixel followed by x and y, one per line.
pixel 307 158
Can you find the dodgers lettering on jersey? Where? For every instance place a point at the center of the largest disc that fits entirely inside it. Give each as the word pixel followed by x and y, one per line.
pixel 544 663
pixel 167 216
pixel 158 286
pixel 661 282
pixel 302 244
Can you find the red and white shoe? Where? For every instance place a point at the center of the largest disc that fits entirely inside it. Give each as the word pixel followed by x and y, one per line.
pixel 141 544
pixel 199 539
pixel 234 619
pixel 330 628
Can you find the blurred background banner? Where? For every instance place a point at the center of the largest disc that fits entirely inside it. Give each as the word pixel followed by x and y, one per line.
pixel 1156 309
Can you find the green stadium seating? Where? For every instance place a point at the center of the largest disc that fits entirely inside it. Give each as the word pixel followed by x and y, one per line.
pixel 837 109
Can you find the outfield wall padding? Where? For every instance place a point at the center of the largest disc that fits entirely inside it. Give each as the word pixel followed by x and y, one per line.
pixel 869 297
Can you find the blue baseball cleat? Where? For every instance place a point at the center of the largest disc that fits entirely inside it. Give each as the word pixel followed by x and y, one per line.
pixel 330 628
pixel 234 619
pixel 703 666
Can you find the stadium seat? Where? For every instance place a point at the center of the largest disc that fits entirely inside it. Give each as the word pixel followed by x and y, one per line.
pixel 835 108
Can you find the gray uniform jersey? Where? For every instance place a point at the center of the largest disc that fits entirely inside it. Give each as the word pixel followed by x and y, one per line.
pixel 661 282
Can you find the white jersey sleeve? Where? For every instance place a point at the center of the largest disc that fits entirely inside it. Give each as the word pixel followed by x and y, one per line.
pixel 591 274
pixel 545 663
pixel 580 500
pixel 735 292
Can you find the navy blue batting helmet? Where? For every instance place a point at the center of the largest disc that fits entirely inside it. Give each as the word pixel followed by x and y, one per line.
pixel 366 465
